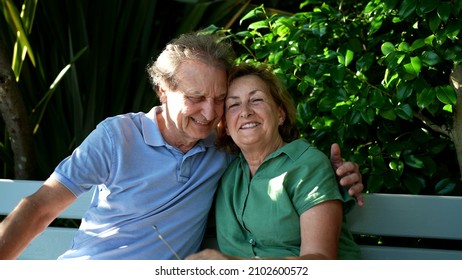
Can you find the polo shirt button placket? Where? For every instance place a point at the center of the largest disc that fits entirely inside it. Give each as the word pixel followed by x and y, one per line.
pixel 252 243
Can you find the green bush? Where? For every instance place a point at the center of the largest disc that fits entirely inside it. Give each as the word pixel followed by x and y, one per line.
pixel 373 76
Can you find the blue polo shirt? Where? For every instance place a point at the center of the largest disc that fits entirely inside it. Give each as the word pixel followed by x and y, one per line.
pixel 140 181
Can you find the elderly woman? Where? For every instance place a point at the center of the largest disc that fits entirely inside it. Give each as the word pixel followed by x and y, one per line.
pixel 279 199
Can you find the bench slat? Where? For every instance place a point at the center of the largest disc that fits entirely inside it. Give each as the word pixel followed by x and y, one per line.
pixel 12 191
pixel 405 253
pixel 49 245
pixel 53 241
pixel 417 216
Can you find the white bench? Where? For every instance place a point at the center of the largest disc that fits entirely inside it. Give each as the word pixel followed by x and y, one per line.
pixel 54 240
pixel 389 215
pixel 421 218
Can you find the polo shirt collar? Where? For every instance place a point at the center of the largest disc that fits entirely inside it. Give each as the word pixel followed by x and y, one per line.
pixel 153 137
pixel 293 151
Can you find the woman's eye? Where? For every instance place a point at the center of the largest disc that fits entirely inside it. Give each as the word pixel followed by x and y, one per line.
pixel 232 105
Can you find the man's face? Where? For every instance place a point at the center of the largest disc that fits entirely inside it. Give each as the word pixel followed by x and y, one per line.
pixel 195 107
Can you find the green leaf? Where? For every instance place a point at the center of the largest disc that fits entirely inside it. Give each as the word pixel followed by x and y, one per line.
pixel 354 116
pixel 376 99
pixel 253 13
pixel 413 68
pixel 275 57
pixel 403 91
pixel 453 29
pixel 368 115
pixel 420 137
pixel 446 94
pixel 404 47
pixel 338 73
pixel 22 42
pixel 341 94
pixel 387 48
pixel 374 183
pixel 396 166
pixel 414 184
pixel 448 108
pixel 389 80
pixel 299 60
pixel 404 111
pixel 430 58
pixel 426 6
pixel 394 59
pixel 407 8
pixel 388 114
pixel 434 22
pixel 395 149
pixel 389 4
pixel 259 25
pixel 445 186
pixel 417 44
pixel 429 39
pixel 340 111
pixel 376 23
pixel 326 104
pixel 365 62
pixel 426 97
pixel 414 162
pixel 438 147
pixel 430 165
pixel 371 7
pixel 452 53
pixel 444 11
pixel 378 163
pixel 349 57
pixel 355 45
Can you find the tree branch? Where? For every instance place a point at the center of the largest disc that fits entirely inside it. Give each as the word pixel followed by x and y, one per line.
pixel 440 129
pixel 16 119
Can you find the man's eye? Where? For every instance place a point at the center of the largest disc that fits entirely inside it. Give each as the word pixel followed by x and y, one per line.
pixel 194 99
pixel 219 100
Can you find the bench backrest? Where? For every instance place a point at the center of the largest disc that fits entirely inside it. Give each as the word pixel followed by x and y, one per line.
pixel 414 216
pixel 54 240
pixel 411 216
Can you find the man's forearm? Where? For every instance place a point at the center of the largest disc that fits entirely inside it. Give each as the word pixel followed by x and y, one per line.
pixel 19 228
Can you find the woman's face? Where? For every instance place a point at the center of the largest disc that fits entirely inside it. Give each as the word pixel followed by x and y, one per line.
pixel 252 116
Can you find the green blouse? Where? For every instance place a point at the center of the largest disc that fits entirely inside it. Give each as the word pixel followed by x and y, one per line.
pixel 260 216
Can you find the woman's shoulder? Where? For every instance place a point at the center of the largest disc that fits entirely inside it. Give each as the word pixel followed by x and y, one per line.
pixel 302 149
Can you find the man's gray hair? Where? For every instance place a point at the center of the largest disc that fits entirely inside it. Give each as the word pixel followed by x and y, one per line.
pixel 207 48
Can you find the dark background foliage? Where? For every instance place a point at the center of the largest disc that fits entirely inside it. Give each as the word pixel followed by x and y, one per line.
pixel 371 75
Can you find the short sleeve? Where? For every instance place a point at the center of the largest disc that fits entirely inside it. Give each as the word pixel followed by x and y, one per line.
pixel 89 164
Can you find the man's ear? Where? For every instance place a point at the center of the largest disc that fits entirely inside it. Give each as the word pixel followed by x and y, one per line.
pixel 222 127
pixel 162 91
